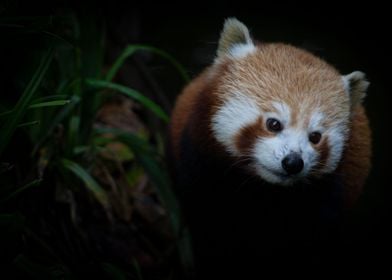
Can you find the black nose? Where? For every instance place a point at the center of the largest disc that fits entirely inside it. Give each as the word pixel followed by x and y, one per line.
pixel 293 163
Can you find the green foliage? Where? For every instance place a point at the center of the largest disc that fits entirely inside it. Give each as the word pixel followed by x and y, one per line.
pixel 38 271
pixel 132 49
pixel 12 222
pixel 114 272
pixel 146 102
pixel 20 189
pixel 19 110
pixel 57 116
pixel 49 103
pixel 88 181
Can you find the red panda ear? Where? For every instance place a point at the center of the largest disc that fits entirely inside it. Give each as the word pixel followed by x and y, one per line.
pixel 355 85
pixel 235 40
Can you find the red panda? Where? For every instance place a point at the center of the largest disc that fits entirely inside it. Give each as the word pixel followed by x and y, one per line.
pixel 269 142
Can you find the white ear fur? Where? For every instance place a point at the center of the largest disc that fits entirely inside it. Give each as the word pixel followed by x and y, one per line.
pixel 355 85
pixel 235 40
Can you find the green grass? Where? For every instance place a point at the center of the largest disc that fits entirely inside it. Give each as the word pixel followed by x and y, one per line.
pixel 132 49
pixel 98 192
pixel 14 193
pixel 56 118
pixel 131 93
pixel 24 102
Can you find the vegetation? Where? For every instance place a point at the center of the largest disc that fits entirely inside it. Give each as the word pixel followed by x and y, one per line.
pixel 84 188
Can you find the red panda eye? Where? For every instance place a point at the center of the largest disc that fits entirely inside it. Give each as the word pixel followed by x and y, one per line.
pixel 315 137
pixel 274 125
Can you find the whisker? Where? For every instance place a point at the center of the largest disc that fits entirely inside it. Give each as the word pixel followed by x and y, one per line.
pixel 240 160
pixel 247 181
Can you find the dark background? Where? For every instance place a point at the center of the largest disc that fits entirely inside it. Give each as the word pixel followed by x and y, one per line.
pixel 352 37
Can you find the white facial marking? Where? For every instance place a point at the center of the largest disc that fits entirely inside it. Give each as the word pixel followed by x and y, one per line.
pixel 336 140
pixel 283 110
pixel 346 84
pixel 315 122
pixel 269 152
pixel 242 50
pixel 335 137
pixel 237 112
pixel 283 113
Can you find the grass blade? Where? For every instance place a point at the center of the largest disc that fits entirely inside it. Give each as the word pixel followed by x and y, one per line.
pixel 89 181
pixel 114 272
pixel 21 189
pixel 12 222
pixel 28 124
pixel 40 105
pixel 59 118
pixel 138 271
pixel 50 103
pixel 5 113
pixel 80 149
pixel 23 102
pixel 131 49
pixel 73 133
pixel 50 98
pixel 185 251
pixel 36 270
pixel 148 103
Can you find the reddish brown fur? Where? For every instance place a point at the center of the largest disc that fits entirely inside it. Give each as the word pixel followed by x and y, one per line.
pixel 356 162
pixel 185 105
pixel 194 108
pixel 277 72
pixel 248 135
pixel 323 150
pixel 280 72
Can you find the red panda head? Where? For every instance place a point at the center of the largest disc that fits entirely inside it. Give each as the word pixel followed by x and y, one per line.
pixel 285 110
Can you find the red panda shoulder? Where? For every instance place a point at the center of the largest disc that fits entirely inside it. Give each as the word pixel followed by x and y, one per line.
pixel 355 164
pixel 194 109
